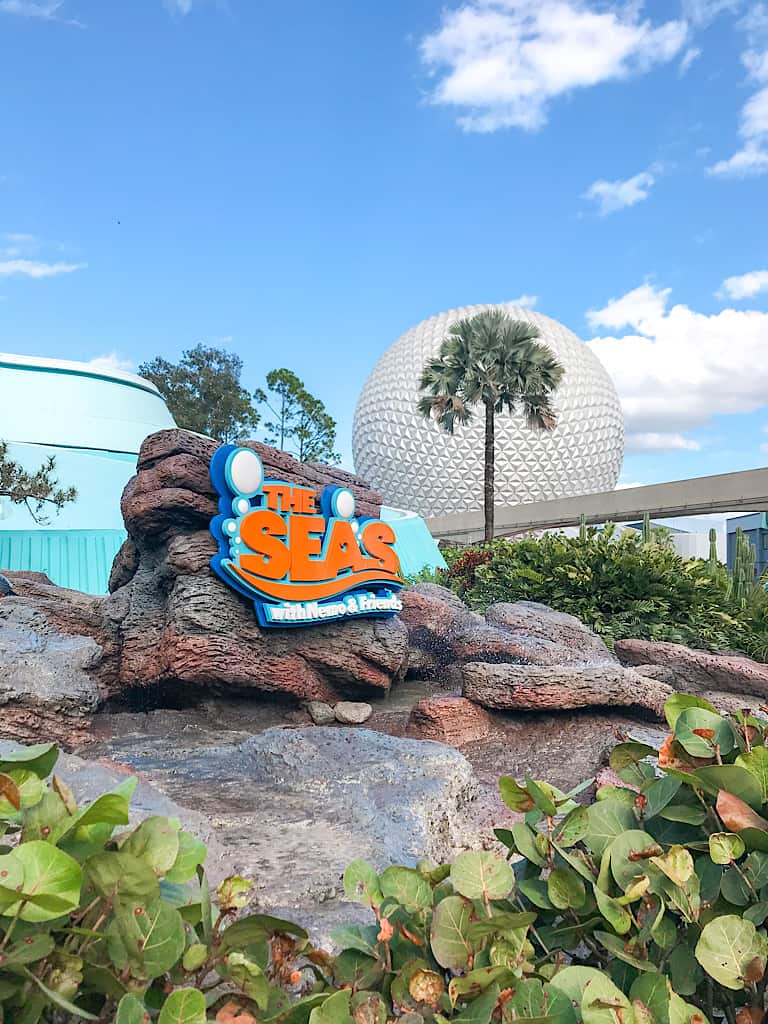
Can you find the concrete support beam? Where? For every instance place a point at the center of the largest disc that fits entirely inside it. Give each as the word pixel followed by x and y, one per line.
pixel 745 491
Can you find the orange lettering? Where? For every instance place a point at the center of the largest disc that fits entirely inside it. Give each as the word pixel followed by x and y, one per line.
pixel 342 552
pixel 306 543
pixel 260 531
pixel 377 540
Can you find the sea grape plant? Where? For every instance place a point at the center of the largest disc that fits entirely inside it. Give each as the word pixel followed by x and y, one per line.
pixel 646 905
pixel 103 922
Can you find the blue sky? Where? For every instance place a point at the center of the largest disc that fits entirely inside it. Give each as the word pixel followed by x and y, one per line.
pixel 304 181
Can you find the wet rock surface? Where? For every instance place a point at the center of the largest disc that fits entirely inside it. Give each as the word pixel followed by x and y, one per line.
pixel 293 806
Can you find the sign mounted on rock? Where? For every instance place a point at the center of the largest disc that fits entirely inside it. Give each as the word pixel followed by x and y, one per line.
pixel 300 557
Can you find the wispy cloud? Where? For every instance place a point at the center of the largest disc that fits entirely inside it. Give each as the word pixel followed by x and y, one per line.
pixel 501 63
pixel 611 196
pixel 525 300
pixel 752 158
pixel 43 10
pixel 691 54
pixel 37 268
pixel 744 286
pixel 112 362
pixel 660 442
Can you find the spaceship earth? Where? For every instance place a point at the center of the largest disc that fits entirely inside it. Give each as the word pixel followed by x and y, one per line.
pixel 418 467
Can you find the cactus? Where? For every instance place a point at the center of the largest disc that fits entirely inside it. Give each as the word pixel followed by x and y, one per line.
pixel 583 528
pixel 743 572
pixel 647 532
pixel 713 562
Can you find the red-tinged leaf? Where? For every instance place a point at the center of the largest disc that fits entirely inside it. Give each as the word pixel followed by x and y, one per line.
pixel 737 815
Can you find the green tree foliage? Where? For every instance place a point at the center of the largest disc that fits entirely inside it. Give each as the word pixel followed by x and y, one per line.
pixel 300 423
pixel 496 362
pixel 37 490
pixel 647 905
pixel 203 392
pixel 619 585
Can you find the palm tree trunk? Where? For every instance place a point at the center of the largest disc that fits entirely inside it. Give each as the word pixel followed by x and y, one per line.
pixel 490 446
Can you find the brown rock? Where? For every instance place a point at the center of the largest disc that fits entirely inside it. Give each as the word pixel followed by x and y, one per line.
pixel 434 616
pixel 124 566
pixel 150 516
pixel 698 670
pixel 452 720
pixel 549 637
pixel 553 687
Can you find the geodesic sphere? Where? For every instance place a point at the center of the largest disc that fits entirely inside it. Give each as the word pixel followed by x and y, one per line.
pixel 418 467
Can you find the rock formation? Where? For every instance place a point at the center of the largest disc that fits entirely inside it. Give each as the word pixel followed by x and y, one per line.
pixel 689 669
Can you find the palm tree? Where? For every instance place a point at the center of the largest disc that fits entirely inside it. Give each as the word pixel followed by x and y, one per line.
pixel 494 360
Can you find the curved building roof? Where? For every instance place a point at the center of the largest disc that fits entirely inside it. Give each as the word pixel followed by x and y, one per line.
pixel 77 405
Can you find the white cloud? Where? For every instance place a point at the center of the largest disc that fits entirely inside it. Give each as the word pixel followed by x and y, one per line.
pixel 111 362
pixel 179 6
pixel 525 300
pixel 616 195
pixel 677 368
pixel 691 54
pixel 641 306
pixel 625 485
pixel 502 62
pixel 752 158
pixel 46 9
pixel 701 12
pixel 43 10
pixel 744 286
pixel 660 442
pixel 36 268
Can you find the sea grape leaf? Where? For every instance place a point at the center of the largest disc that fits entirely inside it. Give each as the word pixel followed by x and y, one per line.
pixel 406 886
pixel 121 875
pixel 630 853
pixel 677 703
pixel 515 796
pixel 700 732
pixel 607 820
pixel 479 874
pixel 731 950
pixel 565 889
pixel 184 1006
pixel 361 884
pixel 572 828
pixel 38 758
pixel 756 763
pixel 156 841
pixel 628 761
pixel 130 1010
pixel 614 913
pixel 451 944
pixel 572 982
pixel 603 1003
pixel 52 882
pixel 147 937
pixel 192 853
pixel 725 847
pixel 525 843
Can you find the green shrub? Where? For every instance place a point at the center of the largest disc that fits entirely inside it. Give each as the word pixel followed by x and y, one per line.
pixel 618 585
pixel 646 906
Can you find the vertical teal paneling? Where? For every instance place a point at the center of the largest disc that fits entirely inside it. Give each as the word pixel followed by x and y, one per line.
pixel 78 559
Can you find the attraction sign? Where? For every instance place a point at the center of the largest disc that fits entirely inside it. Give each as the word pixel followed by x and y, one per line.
pixel 302 558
